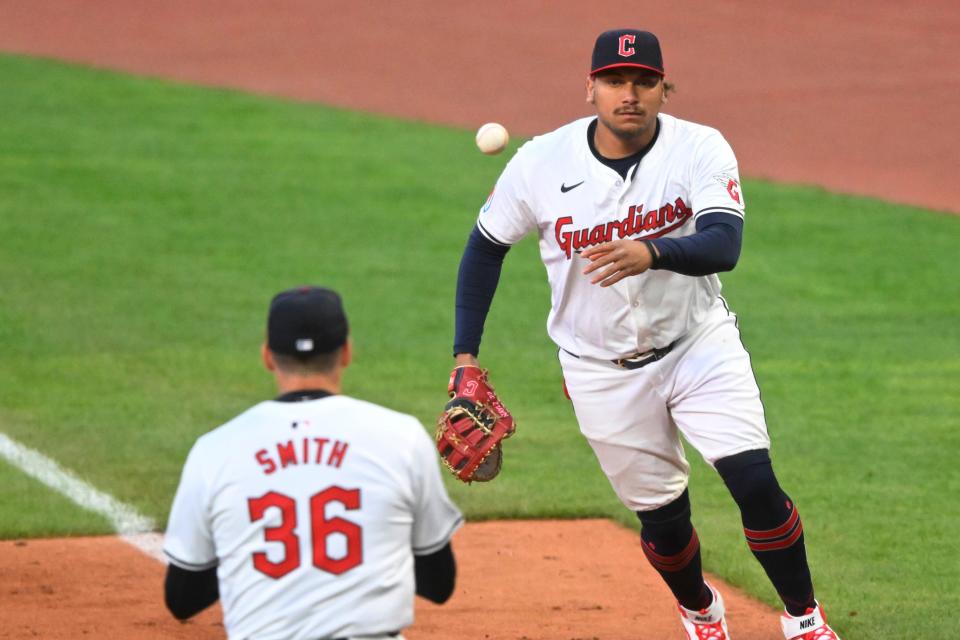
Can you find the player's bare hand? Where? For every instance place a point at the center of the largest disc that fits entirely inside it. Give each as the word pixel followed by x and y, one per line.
pixel 616 260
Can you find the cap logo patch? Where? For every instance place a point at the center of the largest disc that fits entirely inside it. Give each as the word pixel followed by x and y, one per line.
pixel 304 344
pixel 626 45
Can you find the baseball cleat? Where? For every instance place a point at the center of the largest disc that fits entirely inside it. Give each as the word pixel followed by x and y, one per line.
pixel 705 624
pixel 810 626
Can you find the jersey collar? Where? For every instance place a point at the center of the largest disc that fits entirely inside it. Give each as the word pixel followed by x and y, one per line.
pixel 620 165
pixel 302 395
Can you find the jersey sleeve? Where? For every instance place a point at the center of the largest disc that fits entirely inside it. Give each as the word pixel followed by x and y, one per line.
pixel 188 543
pixel 436 518
pixel 506 217
pixel 715 183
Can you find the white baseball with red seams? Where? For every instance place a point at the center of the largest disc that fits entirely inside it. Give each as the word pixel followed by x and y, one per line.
pixel 492 138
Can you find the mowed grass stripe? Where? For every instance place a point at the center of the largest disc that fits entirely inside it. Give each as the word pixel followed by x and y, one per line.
pixel 144 226
pixel 132 527
pixel 29 509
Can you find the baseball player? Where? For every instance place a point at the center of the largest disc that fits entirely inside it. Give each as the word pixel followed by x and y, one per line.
pixel 636 212
pixel 312 515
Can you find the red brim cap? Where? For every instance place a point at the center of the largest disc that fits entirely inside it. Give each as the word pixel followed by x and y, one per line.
pixel 627 48
pixel 634 66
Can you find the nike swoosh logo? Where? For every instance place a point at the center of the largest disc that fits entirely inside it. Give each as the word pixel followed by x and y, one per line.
pixel 564 188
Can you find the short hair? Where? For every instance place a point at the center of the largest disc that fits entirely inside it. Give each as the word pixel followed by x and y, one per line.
pixel 308 364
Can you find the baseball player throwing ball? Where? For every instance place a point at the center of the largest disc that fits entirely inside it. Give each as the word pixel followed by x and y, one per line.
pixel 636 212
pixel 312 515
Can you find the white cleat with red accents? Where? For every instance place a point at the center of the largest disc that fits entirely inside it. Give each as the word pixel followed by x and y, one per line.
pixel 705 624
pixel 810 626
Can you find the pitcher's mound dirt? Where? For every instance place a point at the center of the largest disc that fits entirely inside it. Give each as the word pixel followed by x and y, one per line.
pixel 519 580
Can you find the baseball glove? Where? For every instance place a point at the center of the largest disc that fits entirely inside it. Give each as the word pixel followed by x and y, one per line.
pixel 472 426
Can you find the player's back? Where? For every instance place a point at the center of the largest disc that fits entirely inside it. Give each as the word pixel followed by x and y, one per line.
pixel 314 506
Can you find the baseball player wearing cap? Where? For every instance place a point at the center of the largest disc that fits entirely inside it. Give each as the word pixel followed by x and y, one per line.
pixel 312 515
pixel 636 212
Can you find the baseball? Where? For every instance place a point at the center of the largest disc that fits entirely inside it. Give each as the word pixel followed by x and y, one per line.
pixel 492 138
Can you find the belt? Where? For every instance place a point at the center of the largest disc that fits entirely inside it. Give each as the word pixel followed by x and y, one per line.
pixel 393 634
pixel 639 360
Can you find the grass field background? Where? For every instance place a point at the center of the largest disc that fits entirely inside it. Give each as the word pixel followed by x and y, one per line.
pixel 144 226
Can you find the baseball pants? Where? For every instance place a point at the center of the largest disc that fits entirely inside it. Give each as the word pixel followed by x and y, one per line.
pixel 703 389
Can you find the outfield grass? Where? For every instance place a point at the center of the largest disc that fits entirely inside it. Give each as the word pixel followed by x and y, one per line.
pixel 145 225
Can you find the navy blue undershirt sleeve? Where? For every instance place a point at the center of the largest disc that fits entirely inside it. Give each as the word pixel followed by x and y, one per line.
pixel 476 283
pixel 187 593
pixel 715 247
pixel 435 574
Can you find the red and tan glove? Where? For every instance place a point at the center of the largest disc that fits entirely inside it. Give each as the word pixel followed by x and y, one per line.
pixel 472 426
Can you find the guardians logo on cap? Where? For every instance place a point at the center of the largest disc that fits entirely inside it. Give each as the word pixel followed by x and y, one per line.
pixel 306 321
pixel 626 48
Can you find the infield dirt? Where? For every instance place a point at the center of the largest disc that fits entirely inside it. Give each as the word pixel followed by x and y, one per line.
pixel 519 580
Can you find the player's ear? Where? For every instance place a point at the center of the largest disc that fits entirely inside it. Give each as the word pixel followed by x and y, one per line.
pixel 267 358
pixel 346 353
pixel 590 90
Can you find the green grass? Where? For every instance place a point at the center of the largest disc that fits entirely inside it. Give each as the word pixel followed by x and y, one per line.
pixel 29 509
pixel 145 225
pixel 851 311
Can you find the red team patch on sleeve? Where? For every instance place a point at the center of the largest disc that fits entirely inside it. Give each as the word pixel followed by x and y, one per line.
pixel 731 184
pixel 733 188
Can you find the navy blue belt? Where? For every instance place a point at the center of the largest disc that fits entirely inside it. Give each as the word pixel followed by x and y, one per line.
pixel 639 360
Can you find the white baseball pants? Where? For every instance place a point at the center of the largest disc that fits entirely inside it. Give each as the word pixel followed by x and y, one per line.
pixel 704 389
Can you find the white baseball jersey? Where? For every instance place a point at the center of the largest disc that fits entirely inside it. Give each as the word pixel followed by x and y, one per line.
pixel 312 512
pixel 556 186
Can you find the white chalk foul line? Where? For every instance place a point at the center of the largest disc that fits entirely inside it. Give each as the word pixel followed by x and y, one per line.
pixel 132 527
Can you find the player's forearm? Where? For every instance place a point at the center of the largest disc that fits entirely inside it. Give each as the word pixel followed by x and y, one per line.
pixel 715 247
pixel 187 593
pixel 436 575
pixel 476 283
